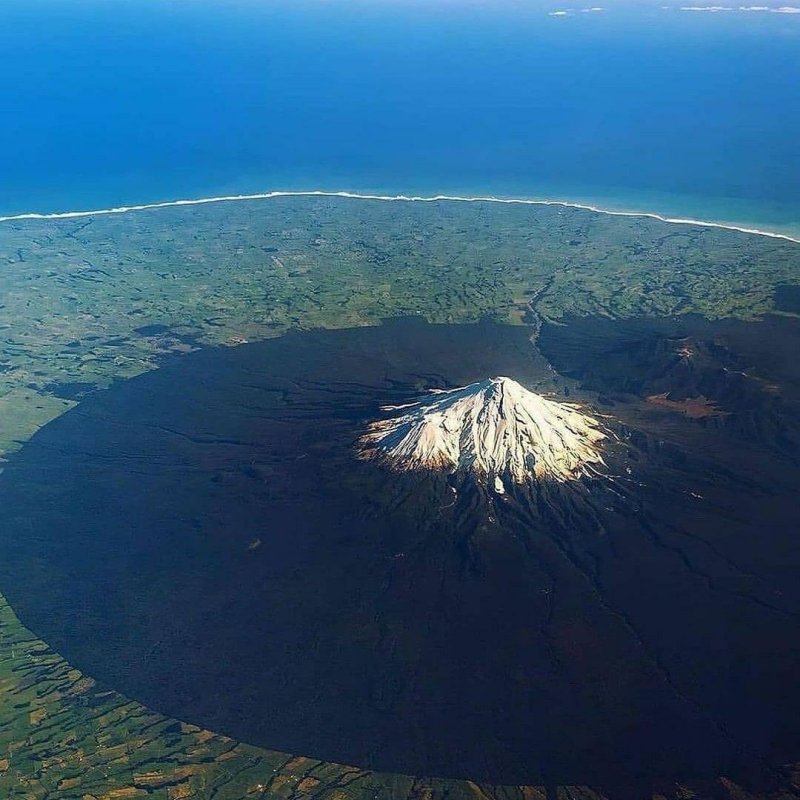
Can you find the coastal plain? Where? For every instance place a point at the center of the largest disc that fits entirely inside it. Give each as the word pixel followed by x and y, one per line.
pixel 90 302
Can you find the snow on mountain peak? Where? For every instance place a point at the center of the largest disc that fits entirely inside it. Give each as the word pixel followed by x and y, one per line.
pixel 494 428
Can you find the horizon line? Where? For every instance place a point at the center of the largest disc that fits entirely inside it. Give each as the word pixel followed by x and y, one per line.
pixel 57 215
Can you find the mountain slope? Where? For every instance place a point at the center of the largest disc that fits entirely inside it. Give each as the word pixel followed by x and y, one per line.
pixel 494 428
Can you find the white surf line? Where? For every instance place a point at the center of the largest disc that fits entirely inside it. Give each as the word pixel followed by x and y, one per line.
pixel 398 198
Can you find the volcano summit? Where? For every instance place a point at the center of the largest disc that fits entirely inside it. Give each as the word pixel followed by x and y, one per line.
pixel 495 429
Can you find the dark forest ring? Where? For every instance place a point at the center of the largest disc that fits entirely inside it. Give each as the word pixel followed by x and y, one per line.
pixel 209 524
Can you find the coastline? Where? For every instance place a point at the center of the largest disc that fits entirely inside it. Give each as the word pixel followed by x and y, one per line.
pixel 400 198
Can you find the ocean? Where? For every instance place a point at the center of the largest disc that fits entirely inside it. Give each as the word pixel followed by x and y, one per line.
pixel 635 107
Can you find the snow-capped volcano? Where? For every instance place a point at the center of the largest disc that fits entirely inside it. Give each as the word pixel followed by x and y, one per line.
pixel 494 428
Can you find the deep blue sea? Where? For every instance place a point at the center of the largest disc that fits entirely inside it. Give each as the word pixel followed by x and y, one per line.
pixel 106 103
